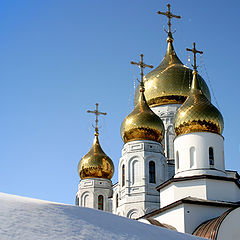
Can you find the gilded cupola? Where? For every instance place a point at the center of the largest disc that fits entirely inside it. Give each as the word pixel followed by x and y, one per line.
pixel 96 164
pixel 170 82
pixel 197 114
pixel 142 123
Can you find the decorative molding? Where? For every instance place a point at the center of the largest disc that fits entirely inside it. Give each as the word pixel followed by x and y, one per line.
pixel 142 146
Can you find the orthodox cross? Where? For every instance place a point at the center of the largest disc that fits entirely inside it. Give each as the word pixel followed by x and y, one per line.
pixel 195 51
pixel 141 65
pixel 97 113
pixel 169 15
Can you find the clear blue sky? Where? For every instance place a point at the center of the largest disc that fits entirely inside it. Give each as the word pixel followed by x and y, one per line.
pixel 59 57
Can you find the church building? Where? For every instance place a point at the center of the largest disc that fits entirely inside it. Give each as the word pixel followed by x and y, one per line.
pixel 172 169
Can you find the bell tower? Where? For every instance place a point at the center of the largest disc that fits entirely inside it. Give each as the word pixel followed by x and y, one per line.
pixel 142 166
pixel 96 170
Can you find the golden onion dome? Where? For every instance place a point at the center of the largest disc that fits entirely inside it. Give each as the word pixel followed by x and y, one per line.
pixel 96 164
pixel 170 82
pixel 197 114
pixel 142 123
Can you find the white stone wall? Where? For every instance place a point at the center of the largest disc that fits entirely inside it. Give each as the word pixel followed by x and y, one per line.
pixel 138 196
pixel 187 217
pixel 115 199
pixel 195 214
pixel 173 217
pixel 207 189
pixel 89 189
pixel 222 190
pixel 192 154
pixel 167 113
pixel 179 190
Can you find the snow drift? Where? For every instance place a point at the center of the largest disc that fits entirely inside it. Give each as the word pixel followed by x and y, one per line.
pixel 32 219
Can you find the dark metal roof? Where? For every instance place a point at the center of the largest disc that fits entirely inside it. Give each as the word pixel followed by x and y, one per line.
pixel 209 229
pixel 157 223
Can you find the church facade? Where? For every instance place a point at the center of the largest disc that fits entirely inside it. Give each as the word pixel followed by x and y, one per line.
pixel 172 169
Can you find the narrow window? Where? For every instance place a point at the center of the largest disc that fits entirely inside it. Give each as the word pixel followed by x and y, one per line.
pixel 192 157
pixel 123 175
pixel 152 177
pixel 100 202
pixel 117 201
pixel 177 160
pixel 211 157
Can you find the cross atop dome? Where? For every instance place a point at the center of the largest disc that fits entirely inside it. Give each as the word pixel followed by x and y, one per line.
pixel 97 113
pixel 195 51
pixel 169 15
pixel 141 65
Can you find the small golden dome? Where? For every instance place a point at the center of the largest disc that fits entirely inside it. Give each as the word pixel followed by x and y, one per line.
pixel 170 82
pixel 197 114
pixel 96 164
pixel 142 123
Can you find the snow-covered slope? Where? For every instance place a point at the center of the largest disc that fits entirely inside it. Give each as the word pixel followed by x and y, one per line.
pixel 32 219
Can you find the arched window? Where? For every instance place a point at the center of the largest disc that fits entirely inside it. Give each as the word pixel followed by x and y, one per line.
pixel 211 157
pixel 123 175
pixel 100 202
pixel 192 157
pixel 117 201
pixel 152 174
pixel 85 201
pixel 134 171
pixel 177 160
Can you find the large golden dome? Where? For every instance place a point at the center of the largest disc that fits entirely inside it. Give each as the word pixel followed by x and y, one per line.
pixel 170 82
pixel 96 164
pixel 197 114
pixel 142 123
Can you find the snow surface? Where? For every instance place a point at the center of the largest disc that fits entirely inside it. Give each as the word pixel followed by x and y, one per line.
pixel 32 219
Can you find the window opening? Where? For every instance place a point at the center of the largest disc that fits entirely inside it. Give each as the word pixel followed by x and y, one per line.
pixel 211 157
pixel 117 200
pixel 123 175
pixel 100 202
pixel 152 174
